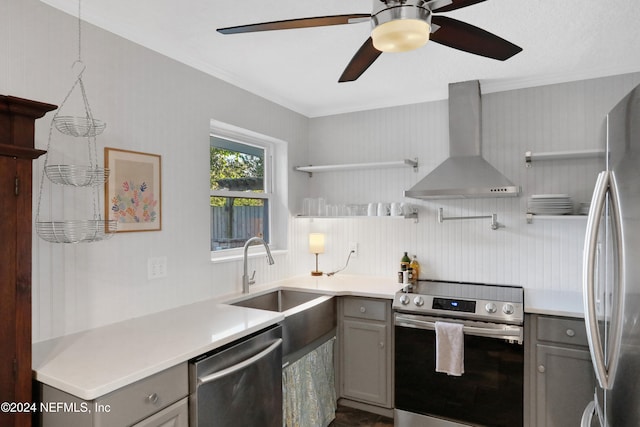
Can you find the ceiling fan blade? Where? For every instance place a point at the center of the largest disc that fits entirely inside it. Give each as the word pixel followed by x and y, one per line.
pixel 364 57
pixel 319 21
pixel 453 5
pixel 462 36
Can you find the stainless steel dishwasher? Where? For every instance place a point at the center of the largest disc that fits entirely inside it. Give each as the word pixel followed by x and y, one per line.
pixel 239 384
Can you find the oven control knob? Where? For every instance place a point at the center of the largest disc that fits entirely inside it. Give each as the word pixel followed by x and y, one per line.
pixel 404 299
pixel 491 308
pixel 418 301
pixel 508 309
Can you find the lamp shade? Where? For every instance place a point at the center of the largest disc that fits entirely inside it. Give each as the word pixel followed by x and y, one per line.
pixel 316 243
pixel 400 35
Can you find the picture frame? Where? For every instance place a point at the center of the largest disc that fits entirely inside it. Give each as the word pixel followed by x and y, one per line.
pixel 132 195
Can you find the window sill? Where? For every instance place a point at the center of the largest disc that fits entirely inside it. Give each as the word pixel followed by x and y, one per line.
pixel 219 259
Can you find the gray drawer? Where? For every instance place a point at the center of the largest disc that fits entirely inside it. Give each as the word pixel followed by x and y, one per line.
pixel 561 330
pixel 143 398
pixel 366 308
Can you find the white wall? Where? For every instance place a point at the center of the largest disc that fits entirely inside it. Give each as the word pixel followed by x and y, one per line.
pixel 150 104
pixel 543 255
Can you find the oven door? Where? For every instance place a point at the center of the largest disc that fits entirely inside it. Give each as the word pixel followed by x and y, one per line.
pixel 489 393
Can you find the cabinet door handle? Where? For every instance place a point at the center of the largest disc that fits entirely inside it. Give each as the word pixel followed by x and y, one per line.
pixel 381 344
pixel 571 333
pixel 541 369
pixel 152 398
pixel 363 309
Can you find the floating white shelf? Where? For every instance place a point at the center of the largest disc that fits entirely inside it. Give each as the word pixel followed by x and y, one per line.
pixel 531 216
pixel 413 216
pixel 357 166
pixel 559 155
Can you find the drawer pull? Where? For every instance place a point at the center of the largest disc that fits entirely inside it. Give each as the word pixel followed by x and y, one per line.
pixel 571 333
pixel 541 369
pixel 381 344
pixel 152 398
pixel 363 309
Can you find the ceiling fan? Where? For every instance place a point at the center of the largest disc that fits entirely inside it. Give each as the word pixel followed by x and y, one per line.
pixel 399 26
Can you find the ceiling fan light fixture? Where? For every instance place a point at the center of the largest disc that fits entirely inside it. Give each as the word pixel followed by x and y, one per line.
pixel 400 25
pixel 400 35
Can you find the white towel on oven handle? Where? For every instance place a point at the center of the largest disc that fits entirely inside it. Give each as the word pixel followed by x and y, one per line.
pixel 449 348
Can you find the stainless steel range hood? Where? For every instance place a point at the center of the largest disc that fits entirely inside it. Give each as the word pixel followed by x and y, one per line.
pixel 465 174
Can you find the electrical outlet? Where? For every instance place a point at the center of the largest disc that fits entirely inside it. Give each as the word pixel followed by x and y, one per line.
pixel 353 249
pixel 156 267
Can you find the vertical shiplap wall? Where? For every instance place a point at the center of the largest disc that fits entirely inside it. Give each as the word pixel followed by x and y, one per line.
pixel 542 255
pixel 150 104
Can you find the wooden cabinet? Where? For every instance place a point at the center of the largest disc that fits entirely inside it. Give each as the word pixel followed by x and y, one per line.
pixel 366 350
pixel 17 128
pixel 561 379
pixel 158 400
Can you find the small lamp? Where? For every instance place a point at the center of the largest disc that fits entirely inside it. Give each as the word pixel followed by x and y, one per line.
pixel 316 246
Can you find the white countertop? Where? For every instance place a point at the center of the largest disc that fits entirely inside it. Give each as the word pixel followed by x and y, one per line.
pixel 340 285
pixel 92 363
pixel 553 303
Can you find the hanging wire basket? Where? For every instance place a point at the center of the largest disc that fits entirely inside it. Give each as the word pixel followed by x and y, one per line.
pixel 77 176
pixel 76 231
pixel 79 126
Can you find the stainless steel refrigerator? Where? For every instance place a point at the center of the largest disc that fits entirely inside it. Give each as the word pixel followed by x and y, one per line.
pixel 611 273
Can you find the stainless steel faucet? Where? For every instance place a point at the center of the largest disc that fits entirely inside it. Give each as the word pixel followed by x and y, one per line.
pixel 246 281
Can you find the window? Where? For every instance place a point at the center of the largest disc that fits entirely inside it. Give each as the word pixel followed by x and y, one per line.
pixel 240 195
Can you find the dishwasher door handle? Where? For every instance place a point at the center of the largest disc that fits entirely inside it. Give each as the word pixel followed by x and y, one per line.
pixel 238 367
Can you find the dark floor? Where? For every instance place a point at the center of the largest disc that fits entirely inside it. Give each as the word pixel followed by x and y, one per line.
pixel 349 417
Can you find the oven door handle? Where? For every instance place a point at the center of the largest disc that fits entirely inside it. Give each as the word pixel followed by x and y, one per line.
pixel 508 332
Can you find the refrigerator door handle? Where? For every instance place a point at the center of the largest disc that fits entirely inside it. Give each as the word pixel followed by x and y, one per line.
pixel 588 414
pixel 588 278
pixel 617 303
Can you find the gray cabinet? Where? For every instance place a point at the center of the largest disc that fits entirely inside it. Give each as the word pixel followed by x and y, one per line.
pixel 366 351
pixel 156 401
pixel 561 379
pixel 176 415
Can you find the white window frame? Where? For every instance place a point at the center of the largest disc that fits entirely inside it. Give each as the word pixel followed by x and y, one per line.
pixel 271 146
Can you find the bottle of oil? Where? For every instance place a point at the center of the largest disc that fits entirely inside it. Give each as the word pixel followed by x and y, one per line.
pixel 415 266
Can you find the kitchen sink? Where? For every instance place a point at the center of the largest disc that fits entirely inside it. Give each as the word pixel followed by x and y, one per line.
pixel 309 318
pixel 279 300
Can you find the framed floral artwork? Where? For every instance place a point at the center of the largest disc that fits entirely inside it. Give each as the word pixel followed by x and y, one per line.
pixel 132 193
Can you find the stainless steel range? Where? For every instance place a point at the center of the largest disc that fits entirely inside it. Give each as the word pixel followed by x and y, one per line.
pixel 490 391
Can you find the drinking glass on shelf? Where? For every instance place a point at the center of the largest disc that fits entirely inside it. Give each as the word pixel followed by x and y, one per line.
pixel 309 206
pixel 383 209
pixel 322 207
pixel 396 209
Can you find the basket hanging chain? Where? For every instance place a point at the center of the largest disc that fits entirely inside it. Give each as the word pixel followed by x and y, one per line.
pixel 93 156
pixel 80 31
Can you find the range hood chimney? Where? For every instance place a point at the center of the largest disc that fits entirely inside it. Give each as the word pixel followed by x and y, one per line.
pixel 465 174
